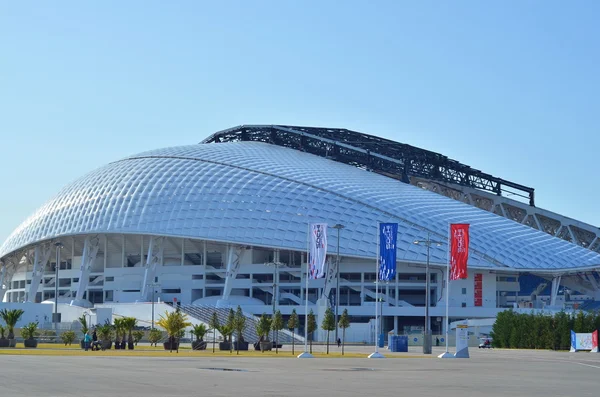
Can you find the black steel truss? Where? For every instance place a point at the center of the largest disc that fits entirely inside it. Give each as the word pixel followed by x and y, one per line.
pixel 393 159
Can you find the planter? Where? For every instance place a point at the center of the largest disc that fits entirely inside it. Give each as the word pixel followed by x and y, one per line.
pixel 4 343
pixel 130 346
pixel 266 346
pixel 12 343
pixel 199 345
pixel 167 346
pixel 242 346
pixel 105 345
pixel 30 343
pixel 225 346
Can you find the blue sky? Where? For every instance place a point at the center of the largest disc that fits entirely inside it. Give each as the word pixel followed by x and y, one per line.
pixel 510 88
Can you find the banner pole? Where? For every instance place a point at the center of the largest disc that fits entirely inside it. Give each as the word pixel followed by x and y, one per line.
pixel 377 354
pixel 306 354
pixel 448 287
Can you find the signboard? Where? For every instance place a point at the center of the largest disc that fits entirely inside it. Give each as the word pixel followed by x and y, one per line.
pixel 583 341
pixel 478 289
pixel 462 341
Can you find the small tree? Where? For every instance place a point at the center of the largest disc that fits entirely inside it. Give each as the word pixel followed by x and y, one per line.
pixel 137 336
pixel 154 336
pixel 214 325
pixel 343 324
pixel 312 327
pixel 240 325
pixel 231 327
pixel 292 325
pixel 68 337
pixel 263 326
pixel 277 325
pixel 328 324
pixel 2 331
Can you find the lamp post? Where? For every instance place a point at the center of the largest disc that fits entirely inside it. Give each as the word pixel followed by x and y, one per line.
pixel 55 318
pixel 339 227
pixel 275 265
pixel 153 285
pixel 427 331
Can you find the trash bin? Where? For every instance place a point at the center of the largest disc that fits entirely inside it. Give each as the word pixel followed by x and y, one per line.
pixel 381 340
pixel 393 343
pixel 402 344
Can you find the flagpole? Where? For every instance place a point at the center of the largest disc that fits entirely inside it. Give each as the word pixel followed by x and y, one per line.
pixel 447 354
pixel 306 354
pixel 377 354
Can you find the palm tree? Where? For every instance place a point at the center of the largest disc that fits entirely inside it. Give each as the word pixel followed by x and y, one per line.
pixel 119 332
pixel 11 318
pixel 129 324
pixel 199 331
pixel 173 323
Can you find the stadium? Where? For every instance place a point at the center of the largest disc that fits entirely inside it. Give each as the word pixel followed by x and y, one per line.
pixel 224 223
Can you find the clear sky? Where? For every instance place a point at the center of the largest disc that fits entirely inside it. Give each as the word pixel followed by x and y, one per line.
pixel 509 87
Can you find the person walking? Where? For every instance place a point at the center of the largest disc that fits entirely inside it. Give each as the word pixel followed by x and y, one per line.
pixel 86 341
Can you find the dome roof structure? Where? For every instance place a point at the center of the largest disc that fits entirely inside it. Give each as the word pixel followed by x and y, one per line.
pixel 260 194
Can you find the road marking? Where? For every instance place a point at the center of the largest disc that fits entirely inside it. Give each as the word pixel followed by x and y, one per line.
pixel 587 365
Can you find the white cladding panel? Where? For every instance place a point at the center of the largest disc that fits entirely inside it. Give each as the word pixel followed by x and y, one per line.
pixel 259 194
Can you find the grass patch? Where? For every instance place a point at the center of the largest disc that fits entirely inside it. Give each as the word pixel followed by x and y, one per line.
pixel 147 351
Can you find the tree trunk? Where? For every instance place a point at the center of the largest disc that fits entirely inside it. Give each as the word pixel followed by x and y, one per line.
pixel 277 342
pixel 214 338
pixel 311 343
pixel 293 337
pixel 327 342
pixel 343 339
pixel 238 344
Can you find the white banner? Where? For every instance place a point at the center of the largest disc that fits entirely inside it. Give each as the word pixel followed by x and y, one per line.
pixel 318 249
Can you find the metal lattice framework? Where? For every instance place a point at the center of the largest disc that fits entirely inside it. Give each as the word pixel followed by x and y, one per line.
pixel 425 169
pixel 384 156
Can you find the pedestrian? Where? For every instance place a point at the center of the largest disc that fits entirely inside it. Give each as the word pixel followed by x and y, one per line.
pixel 86 341
pixel 339 342
pixel 437 341
pixel 94 340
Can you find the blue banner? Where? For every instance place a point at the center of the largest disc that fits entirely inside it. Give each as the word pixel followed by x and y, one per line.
pixel 387 251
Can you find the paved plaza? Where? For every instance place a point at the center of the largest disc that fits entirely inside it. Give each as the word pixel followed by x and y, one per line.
pixel 487 372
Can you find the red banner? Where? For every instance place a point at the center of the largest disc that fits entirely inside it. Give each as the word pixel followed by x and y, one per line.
pixel 459 250
pixel 478 289
pixel 595 340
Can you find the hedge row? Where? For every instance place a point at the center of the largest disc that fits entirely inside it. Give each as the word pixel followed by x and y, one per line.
pixel 540 331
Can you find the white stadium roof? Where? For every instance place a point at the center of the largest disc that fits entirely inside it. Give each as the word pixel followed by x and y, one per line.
pixel 254 193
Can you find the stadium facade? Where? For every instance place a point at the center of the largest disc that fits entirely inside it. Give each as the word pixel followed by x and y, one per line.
pixel 225 222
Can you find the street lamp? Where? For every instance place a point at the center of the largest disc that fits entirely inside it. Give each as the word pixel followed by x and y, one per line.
pixel 153 285
pixel 427 332
pixel 276 264
pixel 339 227
pixel 55 317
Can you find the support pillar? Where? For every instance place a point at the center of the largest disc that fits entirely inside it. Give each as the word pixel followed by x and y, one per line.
pixel 234 255
pixel 155 254
pixel 90 250
pixel 555 287
pixel 41 257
